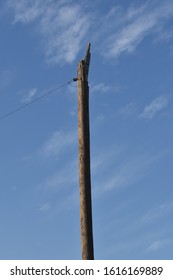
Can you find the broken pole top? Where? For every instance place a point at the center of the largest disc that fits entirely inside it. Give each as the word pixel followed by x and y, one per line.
pixel 86 62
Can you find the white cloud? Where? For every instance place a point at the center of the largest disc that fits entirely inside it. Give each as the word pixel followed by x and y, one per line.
pixel 130 36
pixel 62 26
pixel 154 107
pixel 101 161
pixel 157 245
pixel 44 207
pixel 157 213
pixel 28 96
pixel 137 23
pixel 128 110
pixel 125 170
pixel 65 29
pixel 126 174
pixel 58 142
pixel 65 177
pixel 68 204
pixel 101 87
pixel 26 11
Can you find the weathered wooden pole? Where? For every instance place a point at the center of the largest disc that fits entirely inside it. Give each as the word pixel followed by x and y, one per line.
pixel 84 159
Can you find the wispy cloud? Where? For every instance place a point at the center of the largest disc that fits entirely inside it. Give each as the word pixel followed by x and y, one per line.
pixel 26 11
pixel 65 177
pixel 65 31
pixel 128 110
pixel 101 87
pixel 100 162
pixel 150 221
pixel 58 142
pixel 138 22
pixel 125 171
pixel 44 207
pixel 69 202
pixel 156 213
pixel 62 26
pixel 28 96
pixel 158 244
pixel 154 107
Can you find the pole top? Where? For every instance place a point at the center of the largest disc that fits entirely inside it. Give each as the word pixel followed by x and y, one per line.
pixel 88 50
pixel 83 66
pixel 87 59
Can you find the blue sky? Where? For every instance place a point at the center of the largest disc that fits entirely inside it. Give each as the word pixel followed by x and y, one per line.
pixel 131 119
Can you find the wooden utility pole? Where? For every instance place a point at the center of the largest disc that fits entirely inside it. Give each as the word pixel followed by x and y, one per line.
pixel 84 159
